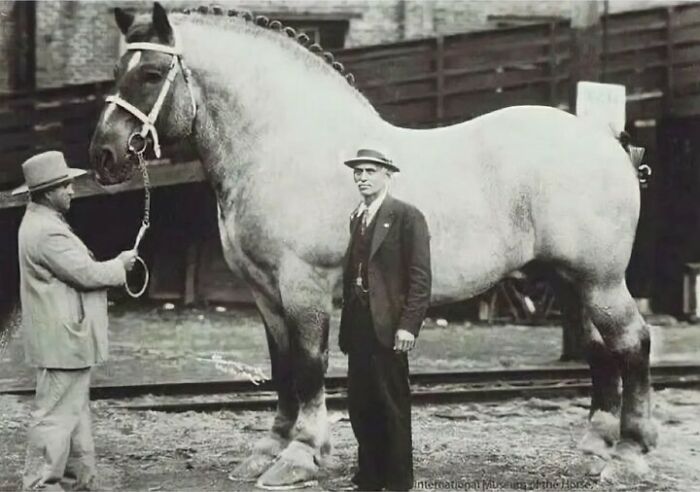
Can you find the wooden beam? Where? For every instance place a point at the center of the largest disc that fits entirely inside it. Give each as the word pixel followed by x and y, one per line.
pixel 25 32
pixel 440 78
pixel 586 45
pixel 161 173
pixel 670 82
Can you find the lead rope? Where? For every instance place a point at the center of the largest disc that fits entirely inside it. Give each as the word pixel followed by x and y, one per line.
pixel 145 223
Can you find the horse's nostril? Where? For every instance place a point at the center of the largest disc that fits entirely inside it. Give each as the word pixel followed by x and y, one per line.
pixel 106 157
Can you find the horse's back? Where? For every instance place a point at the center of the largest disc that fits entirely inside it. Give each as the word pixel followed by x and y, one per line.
pixel 521 183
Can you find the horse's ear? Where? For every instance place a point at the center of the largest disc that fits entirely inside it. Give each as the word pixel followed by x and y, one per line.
pixel 124 20
pixel 161 24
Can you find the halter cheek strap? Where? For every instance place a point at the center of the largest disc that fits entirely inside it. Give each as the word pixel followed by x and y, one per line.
pixel 150 119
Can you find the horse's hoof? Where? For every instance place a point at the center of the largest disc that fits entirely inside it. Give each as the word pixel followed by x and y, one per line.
pixel 594 444
pixel 627 465
pixel 606 425
pixel 265 452
pixel 594 465
pixel 295 468
pixel 251 468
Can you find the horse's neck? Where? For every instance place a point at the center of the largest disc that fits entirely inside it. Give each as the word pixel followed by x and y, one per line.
pixel 260 100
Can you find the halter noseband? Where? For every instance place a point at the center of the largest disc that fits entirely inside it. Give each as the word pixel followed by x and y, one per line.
pixel 150 119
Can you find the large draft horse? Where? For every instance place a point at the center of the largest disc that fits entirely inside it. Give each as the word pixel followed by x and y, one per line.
pixel 272 120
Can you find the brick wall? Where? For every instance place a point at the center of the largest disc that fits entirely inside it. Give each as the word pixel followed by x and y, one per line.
pixel 77 42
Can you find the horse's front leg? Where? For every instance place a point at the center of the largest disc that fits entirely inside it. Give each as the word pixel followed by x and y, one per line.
pixel 266 449
pixel 306 296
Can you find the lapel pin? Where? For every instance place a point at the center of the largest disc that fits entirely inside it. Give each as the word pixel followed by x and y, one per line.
pixel 386 224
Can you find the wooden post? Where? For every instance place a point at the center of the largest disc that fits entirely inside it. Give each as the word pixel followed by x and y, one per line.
pixel 191 267
pixel 585 45
pixel 25 48
pixel 552 63
pixel 670 24
pixel 585 65
pixel 440 79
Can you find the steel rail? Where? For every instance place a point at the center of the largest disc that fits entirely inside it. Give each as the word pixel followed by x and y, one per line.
pixel 435 388
pixel 460 393
pixel 492 379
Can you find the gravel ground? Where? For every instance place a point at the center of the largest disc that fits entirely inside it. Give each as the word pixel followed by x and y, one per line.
pixel 513 446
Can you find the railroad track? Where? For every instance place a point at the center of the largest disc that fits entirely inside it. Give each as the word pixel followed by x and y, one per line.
pixel 438 387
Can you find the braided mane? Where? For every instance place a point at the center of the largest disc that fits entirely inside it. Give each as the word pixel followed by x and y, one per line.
pixel 277 26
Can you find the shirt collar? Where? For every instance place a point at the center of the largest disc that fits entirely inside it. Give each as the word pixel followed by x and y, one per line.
pixel 372 207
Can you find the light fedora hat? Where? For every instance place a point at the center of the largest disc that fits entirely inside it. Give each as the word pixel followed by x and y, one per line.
pixel 371 156
pixel 45 170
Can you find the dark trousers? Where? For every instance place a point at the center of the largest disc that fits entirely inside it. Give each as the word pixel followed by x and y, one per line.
pixel 379 403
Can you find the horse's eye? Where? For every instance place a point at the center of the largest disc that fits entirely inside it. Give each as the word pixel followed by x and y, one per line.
pixel 152 76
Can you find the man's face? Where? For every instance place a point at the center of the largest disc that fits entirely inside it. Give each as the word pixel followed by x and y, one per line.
pixel 60 197
pixel 371 179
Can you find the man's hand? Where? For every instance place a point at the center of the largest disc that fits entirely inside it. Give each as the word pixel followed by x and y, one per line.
pixel 404 341
pixel 128 258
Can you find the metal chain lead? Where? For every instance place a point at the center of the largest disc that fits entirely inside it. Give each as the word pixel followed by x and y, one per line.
pixel 145 223
pixel 146 190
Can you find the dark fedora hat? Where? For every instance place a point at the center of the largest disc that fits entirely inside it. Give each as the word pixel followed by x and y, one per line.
pixel 46 170
pixel 371 156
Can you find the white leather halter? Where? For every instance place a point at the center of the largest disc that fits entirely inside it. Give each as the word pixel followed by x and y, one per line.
pixel 150 119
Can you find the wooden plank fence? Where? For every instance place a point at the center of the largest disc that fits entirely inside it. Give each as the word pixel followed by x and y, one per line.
pixel 443 80
pixel 655 53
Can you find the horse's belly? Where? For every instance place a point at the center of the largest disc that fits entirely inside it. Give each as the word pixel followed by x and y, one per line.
pixel 464 266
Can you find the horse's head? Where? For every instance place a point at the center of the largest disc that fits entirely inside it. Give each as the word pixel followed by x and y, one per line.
pixel 154 100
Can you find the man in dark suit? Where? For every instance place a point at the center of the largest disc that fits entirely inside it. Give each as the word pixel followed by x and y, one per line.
pixel 386 291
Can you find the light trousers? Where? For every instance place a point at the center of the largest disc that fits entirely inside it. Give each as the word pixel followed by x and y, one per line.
pixel 60 432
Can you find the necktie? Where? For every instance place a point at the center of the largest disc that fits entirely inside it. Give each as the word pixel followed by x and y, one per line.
pixel 363 221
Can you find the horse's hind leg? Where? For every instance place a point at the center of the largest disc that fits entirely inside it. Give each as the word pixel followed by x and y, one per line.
pixel 266 449
pixel 604 416
pixel 615 315
pixel 306 296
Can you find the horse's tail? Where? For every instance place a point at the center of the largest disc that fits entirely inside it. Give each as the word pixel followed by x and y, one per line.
pixel 636 154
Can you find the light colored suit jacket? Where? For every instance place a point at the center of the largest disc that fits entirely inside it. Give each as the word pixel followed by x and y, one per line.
pixel 62 290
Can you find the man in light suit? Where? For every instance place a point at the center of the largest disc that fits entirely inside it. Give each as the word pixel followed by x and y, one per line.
pixel 64 324
pixel 386 291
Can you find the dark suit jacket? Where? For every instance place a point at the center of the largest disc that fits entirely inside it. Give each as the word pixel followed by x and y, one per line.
pixel 398 272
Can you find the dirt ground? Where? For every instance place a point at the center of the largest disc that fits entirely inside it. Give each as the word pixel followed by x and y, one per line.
pixel 522 444
pixel 518 445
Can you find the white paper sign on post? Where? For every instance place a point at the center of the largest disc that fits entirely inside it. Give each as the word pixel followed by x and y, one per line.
pixel 602 104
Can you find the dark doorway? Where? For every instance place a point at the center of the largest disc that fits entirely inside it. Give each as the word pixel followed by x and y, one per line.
pixel 678 184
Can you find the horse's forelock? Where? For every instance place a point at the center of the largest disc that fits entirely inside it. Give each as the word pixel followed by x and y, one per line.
pixel 140 32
